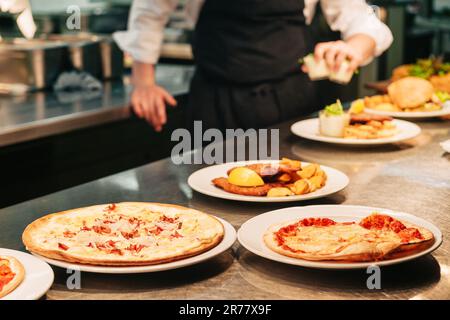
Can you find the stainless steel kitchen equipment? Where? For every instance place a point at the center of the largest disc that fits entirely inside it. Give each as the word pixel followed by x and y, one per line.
pixel 31 64
pixel 84 51
pixel 112 58
pixel 95 54
pixel 35 64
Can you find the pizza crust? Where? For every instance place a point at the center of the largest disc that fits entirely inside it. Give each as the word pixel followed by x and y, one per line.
pixel 19 271
pixel 34 228
pixel 362 251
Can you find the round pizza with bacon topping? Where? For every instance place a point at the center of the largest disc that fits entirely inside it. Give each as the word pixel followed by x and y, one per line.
pixel 376 237
pixel 124 234
pixel 12 274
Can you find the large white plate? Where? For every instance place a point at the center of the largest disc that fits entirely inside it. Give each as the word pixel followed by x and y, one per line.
pixel 225 244
pixel 309 129
pixel 250 235
pixel 425 114
pixel 200 181
pixel 38 277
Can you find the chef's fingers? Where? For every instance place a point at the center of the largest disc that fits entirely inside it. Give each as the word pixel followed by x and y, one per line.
pixel 156 112
pixel 341 57
pixel 148 105
pixel 135 104
pixel 319 50
pixel 168 98
pixel 160 109
pixel 354 62
pixel 330 57
pixel 137 108
pixel 305 68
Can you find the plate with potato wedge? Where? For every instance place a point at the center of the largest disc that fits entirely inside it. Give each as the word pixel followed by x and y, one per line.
pixel 282 180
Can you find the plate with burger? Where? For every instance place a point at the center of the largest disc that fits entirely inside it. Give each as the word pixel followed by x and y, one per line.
pixel 409 97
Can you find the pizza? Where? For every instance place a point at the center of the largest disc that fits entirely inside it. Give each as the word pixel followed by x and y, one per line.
pixel 12 274
pixel 124 234
pixel 376 237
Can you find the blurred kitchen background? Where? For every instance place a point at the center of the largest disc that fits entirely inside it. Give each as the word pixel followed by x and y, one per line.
pixel 51 139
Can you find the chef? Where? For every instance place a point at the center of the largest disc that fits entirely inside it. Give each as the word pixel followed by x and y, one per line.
pixel 246 54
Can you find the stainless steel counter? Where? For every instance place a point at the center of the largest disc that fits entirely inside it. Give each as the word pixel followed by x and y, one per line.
pixel 42 114
pixel 413 177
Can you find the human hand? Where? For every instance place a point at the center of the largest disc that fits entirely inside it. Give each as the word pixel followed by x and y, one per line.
pixel 335 53
pixel 149 103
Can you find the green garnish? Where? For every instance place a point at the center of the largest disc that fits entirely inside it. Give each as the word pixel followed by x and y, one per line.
pixel 443 96
pixel 425 68
pixel 335 109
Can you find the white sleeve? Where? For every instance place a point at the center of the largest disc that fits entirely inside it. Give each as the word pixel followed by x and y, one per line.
pixel 351 17
pixel 145 32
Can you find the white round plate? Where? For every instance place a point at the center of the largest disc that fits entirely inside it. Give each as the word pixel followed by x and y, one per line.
pixel 224 245
pixel 411 115
pixel 38 277
pixel 251 233
pixel 200 181
pixel 309 129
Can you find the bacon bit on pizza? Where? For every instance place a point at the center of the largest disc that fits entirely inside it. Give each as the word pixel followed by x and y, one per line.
pixel 130 235
pixel 111 207
pixel 111 243
pixel 176 235
pixel 109 247
pixel 62 246
pixel 90 245
pixel 156 231
pixel 69 234
pixel 180 225
pixel 101 229
pixel 410 233
pixel 135 247
pixel 6 274
pixel 167 219
pixel 84 227
pixel 136 221
pixel 116 251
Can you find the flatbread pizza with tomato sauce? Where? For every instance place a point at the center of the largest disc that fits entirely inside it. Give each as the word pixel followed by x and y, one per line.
pixel 124 234
pixel 376 237
pixel 12 274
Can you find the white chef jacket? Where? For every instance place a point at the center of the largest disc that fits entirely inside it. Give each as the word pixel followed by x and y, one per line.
pixel 148 18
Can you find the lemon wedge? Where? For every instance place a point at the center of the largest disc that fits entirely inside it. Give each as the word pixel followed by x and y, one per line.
pixel 244 177
pixel 357 106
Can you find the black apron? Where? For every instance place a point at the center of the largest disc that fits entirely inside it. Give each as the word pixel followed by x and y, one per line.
pixel 247 75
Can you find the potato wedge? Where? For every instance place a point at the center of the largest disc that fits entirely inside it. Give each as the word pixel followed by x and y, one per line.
pixel 308 171
pixel 322 174
pixel 291 163
pixel 280 192
pixel 300 187
pixel 317 182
